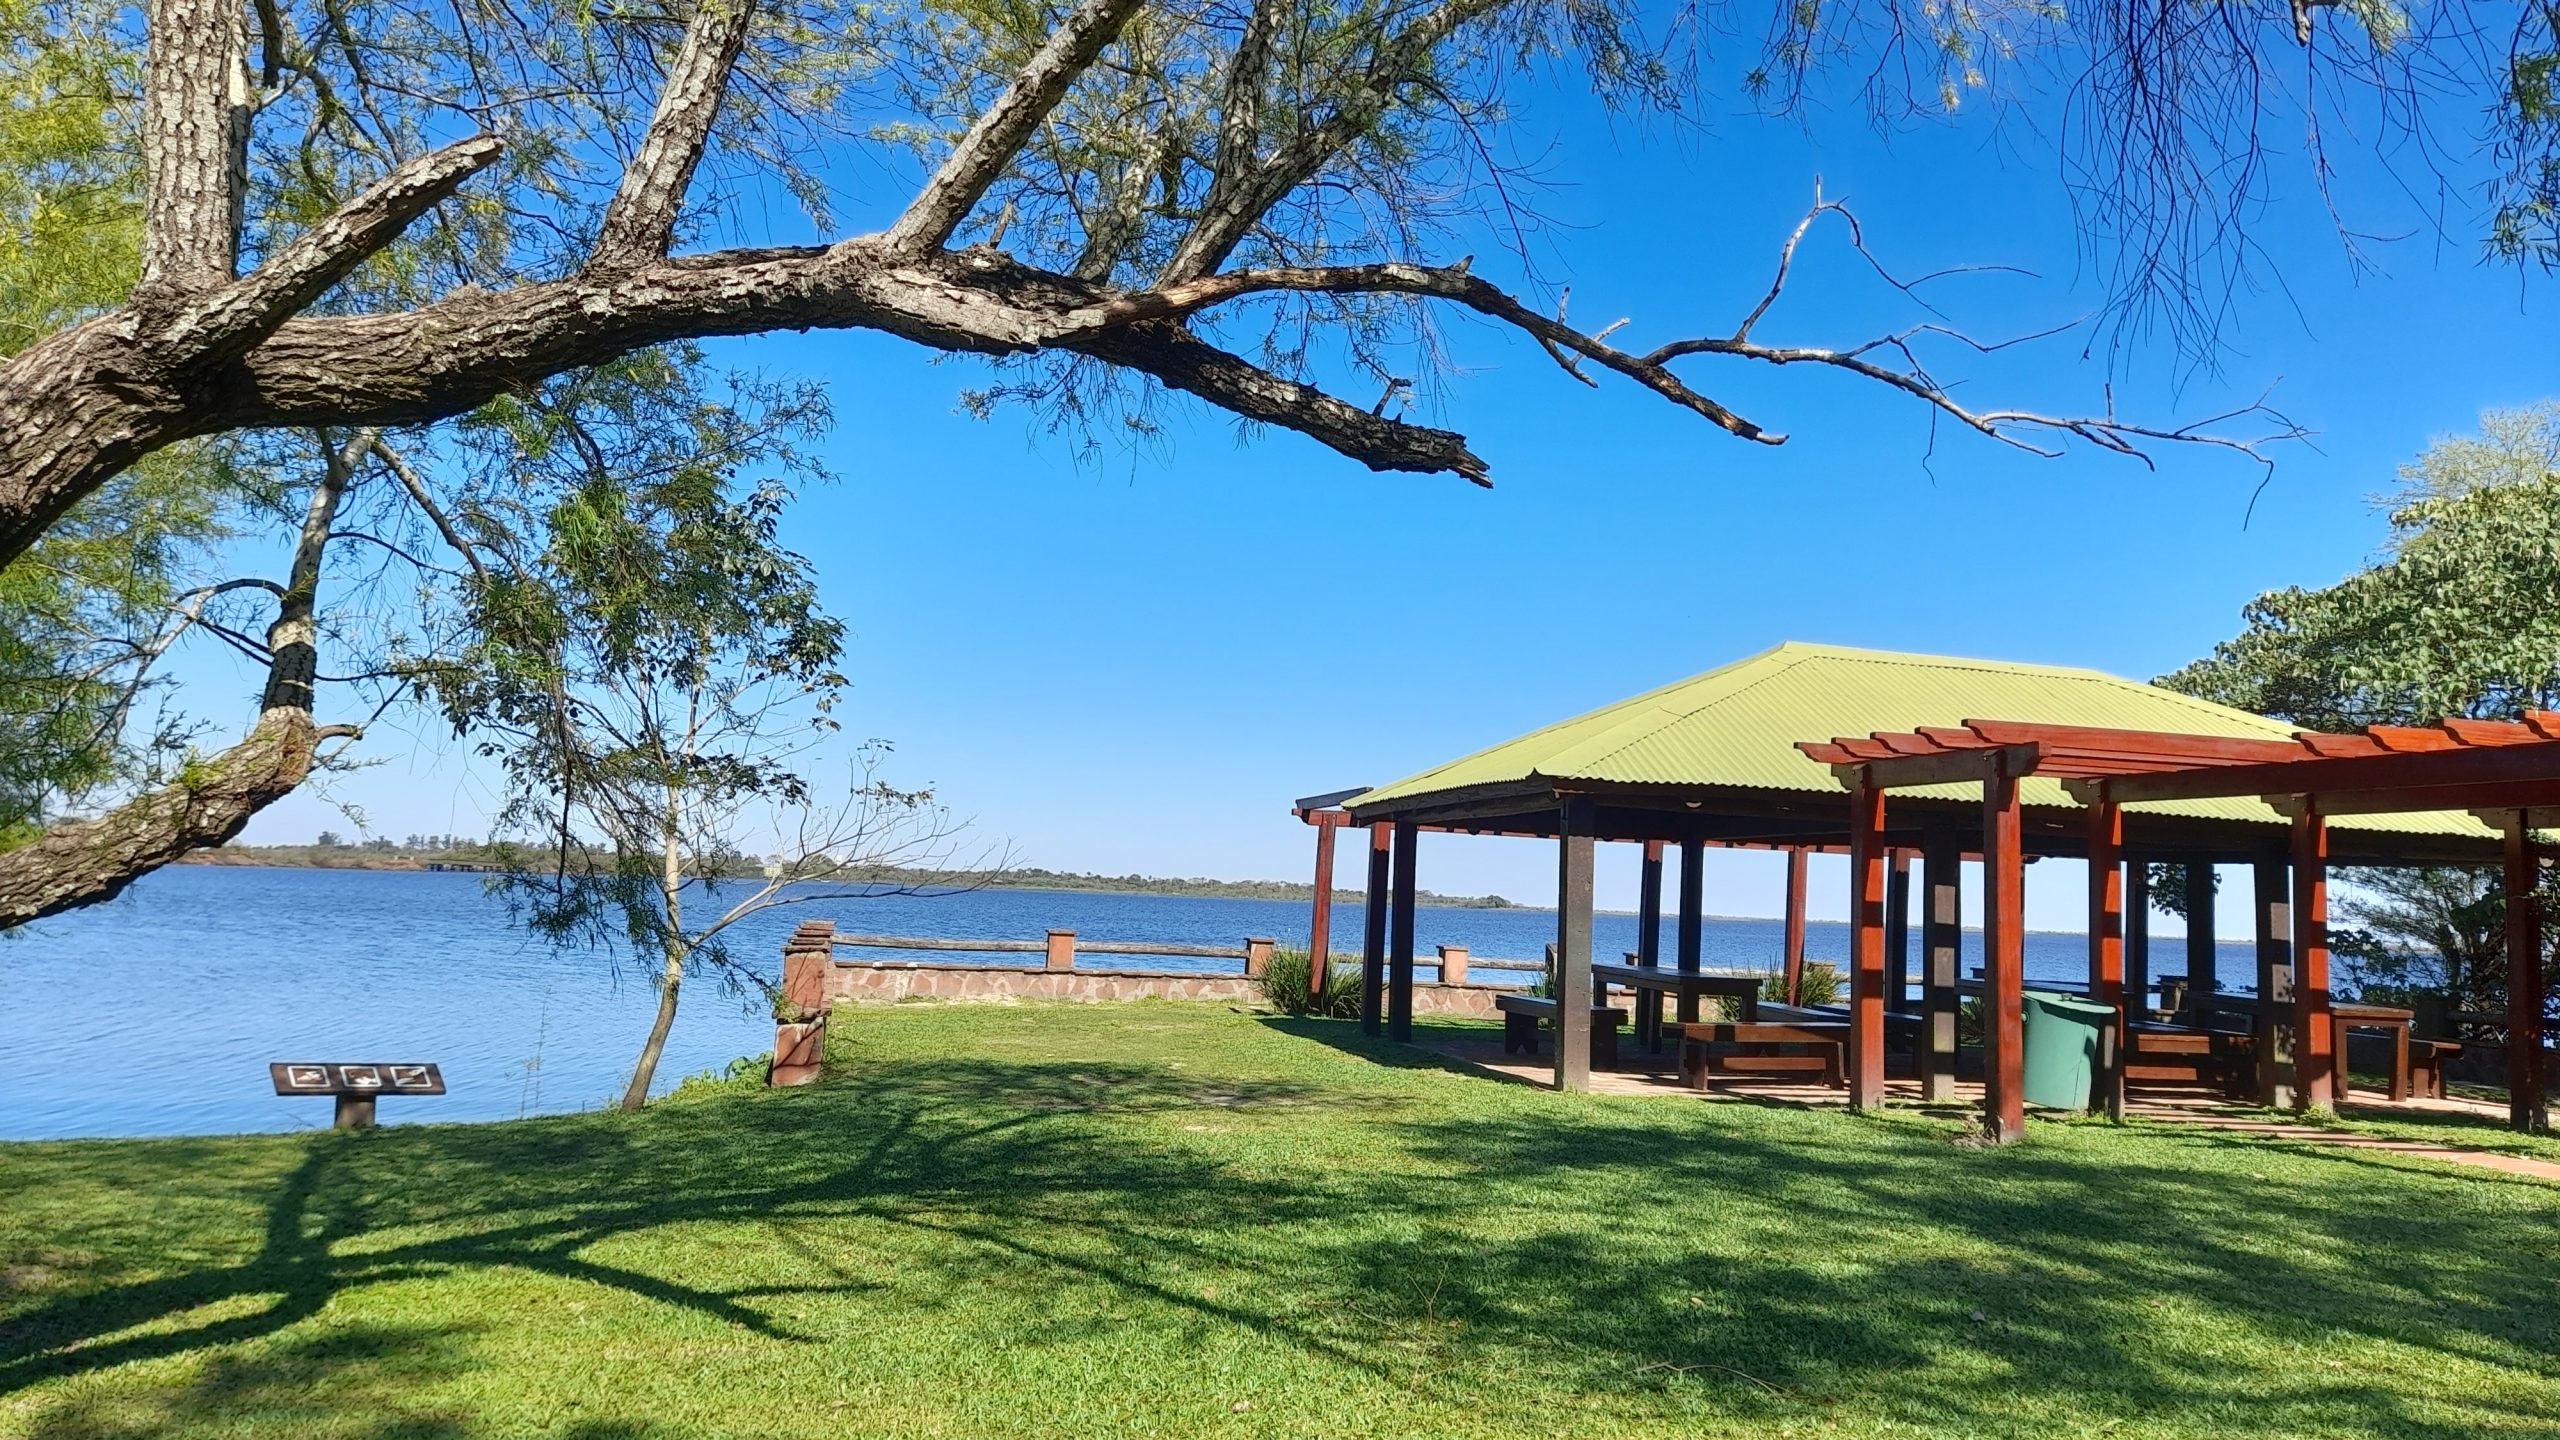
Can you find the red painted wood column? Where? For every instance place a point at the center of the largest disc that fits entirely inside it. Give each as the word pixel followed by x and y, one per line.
pixel 1373 946
pixel 2524 981
pixel 1320 916
pixel 1791 949
pixel 2106 943
pixel 2315 1040
pixel 2004 1104
pixel 1866 943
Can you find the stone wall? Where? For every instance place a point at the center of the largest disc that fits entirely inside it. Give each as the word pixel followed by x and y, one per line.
pixel 890 980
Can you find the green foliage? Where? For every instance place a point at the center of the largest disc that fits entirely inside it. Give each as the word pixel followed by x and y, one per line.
pixel 2461 616
pixel 1817 983
pixel 1292 986
pixel 1055 1221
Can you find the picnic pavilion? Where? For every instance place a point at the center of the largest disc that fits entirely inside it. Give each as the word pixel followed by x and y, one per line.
pixel 1887 756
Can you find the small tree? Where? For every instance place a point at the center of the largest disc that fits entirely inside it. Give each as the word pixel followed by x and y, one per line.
pixel 651 679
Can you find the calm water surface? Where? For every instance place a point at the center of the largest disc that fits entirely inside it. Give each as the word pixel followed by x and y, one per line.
pixel 157 1014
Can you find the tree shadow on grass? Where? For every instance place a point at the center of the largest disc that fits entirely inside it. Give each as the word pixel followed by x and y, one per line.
pixel 1505 1249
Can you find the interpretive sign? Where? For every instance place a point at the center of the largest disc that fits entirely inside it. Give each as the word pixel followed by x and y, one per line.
pixel 355 1085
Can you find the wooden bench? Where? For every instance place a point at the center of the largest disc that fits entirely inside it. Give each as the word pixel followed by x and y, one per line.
pixel 2426 1066
pixel 1813 1048
pixel 1521 1015
pixel 2222 1060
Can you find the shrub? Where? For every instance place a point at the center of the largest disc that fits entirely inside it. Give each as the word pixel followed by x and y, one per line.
pixel 1291 985
pixel 1819 984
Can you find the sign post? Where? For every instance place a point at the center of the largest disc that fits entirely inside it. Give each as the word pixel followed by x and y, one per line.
pixel 355 1086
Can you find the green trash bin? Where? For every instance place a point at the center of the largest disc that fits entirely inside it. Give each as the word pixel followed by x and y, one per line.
pixel 2063 1034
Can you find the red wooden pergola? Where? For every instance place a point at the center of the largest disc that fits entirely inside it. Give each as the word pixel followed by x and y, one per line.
pixel 2507 772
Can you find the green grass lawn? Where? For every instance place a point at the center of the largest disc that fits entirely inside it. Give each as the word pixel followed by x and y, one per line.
pixel 1161 1219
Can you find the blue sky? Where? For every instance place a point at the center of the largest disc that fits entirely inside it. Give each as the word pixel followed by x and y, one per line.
pixel 1134 663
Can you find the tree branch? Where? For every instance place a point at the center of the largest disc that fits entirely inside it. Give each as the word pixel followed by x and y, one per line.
pixel 242 312
pixel 81 862
pixel 640 223
pixel 1005 126
pixel 1240 195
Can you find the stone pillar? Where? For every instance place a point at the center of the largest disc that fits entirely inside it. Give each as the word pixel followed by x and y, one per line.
pixel 1257 957
pixel 1453 964
pixel 1062 950
pixel 800 1027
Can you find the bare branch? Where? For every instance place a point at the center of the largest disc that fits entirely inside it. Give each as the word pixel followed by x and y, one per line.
pixel 1187 363
pixel 1005 126
pixel 640 223
pixel 241 313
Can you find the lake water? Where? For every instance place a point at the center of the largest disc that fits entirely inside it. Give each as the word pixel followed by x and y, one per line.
pixel 158 1013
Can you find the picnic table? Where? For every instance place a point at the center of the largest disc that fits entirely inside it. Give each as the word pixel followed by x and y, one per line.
pixel 1653 982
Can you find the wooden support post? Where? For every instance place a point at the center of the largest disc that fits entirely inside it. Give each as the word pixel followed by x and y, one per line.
pixel 1453 964
pixel 1061 953
pixel 2275 980
pixel 1692 928
pixel 1649 906
pixel 1573 944
pixel 2525 1105
pixel 1791 947
pixel 2106 945
pixel 1373 944
pixel 1257 957
pixel 2203 959
pixel 1897 933
pixel 1400 936
pixel 2315 1041
pixel 1320 914
pixel 2137 937
pixel 1866 943
pixel 353 1111
pixel 1941 958
pixel 2004 1107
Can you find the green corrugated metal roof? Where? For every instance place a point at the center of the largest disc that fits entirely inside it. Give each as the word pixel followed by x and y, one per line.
pixel 1737 726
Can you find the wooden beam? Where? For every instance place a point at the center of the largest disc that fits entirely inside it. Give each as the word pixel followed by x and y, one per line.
pixel 1866 945
pixel 1791 938
pixel 1897 931
pixel 1941 960
pixel 2275 980
pixel 1320 914
pixel 2137 932
pixel 1373 945
pixel 2204 957
pixel 1400 937
pixel 2106 941
pixel 1573 945
pixel 1896 772
pixel 2315 1041
pixel 1649 906
pixel 2004 1112
pixel 2407 800
pixel 2193 748
pixel 2500 764
pixel 2525 1109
